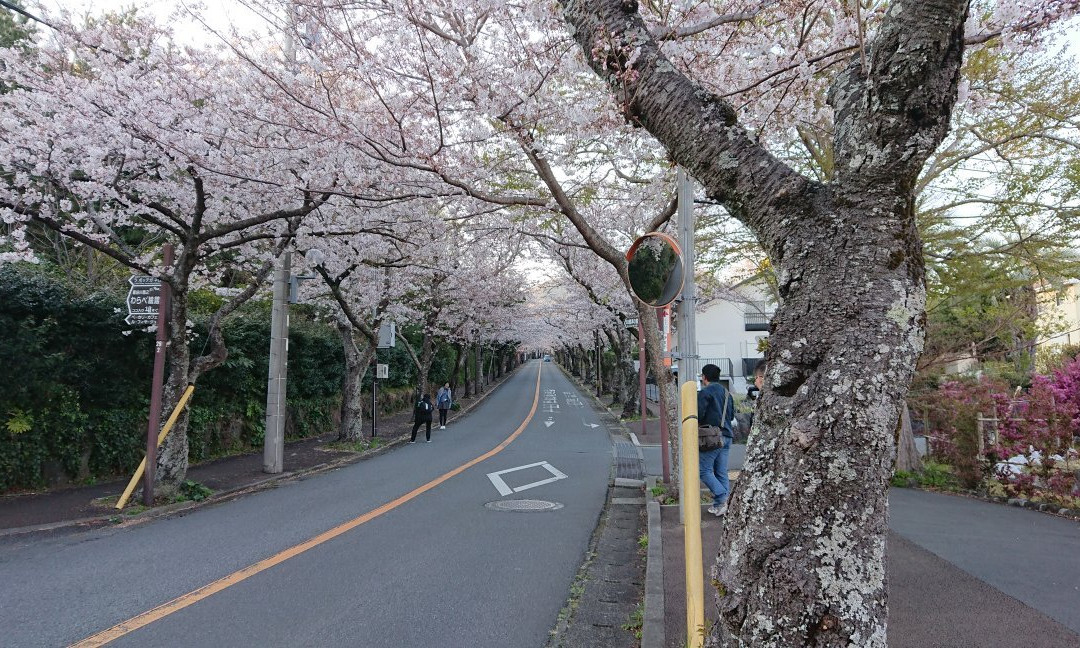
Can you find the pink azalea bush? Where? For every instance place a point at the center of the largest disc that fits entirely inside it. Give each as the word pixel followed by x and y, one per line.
pixel 1038 428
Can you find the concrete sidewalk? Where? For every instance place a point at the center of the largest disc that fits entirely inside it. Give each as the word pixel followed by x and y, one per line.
pixel 932 602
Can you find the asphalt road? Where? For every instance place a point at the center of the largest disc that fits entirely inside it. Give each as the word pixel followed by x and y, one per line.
pixel 438 569
pixel 1030 556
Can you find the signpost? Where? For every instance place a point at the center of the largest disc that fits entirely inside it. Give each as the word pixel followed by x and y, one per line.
pixel 143 300
pixel 148 303
pixel 387 339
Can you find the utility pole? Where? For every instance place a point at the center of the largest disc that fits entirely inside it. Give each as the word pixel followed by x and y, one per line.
pixel 687 340
pixel 274 438
pixel 687 332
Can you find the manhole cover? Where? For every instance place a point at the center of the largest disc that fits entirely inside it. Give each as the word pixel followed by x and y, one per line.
pixel 525 505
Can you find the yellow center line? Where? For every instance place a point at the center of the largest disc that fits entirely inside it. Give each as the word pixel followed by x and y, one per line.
pixel 183 601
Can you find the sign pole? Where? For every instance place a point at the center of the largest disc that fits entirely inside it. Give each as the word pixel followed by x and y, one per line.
pixel 153 424
pixel 374 390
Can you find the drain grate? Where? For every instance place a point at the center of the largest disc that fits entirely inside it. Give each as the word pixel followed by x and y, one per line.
pixel 627 461
pixel 523 505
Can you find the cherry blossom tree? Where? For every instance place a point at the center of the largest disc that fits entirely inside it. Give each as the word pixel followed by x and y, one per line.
pixel 803 557
pixel 117 140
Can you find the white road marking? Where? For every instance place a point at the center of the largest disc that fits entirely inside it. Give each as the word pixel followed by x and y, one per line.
pixel 504 489
pixel 550 401
pixel 549 423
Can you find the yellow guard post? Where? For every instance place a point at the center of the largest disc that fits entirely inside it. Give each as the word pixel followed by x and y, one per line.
pixel 691 493
pixel 161 438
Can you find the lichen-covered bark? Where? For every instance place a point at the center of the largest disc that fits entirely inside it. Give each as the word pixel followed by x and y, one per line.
pixel 356 363
pixel 802 562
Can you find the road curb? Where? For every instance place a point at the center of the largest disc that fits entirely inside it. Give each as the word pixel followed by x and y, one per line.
pixel 652 629
pixel 120 520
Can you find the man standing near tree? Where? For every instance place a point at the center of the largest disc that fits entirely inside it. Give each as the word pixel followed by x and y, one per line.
pixel 716 408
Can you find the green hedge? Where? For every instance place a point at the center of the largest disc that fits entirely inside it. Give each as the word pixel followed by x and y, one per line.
pixel 74 390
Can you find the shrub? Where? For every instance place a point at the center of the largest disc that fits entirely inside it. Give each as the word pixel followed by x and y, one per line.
pixel 1037 428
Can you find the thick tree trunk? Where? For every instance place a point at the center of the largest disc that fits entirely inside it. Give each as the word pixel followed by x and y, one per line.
pixel 459 365
pixel 172 455
pixel 842 353
pixel 427 352
pixel 614 377
pixel 654 358
pixel 465 372
pixel 356 364
pixel 907 454
pixel 478 366
pixel 627 378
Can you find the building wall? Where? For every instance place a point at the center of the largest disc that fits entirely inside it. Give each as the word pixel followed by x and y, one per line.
pixel 1064 314
pixel 721 332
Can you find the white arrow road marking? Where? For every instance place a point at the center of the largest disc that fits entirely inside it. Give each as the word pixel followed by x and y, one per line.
pixel 504 490
pixel 591 425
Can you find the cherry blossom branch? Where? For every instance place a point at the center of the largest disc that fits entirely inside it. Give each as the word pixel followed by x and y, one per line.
pixel 309 206
pixel 712 23
pixel 218 351
pixel 60 228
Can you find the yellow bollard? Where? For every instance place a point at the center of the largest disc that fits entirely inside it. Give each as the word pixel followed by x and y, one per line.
pixel 161 438
pixel 691 497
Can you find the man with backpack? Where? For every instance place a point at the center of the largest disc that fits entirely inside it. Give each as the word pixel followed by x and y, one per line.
pixel 716 408
pixel 422 415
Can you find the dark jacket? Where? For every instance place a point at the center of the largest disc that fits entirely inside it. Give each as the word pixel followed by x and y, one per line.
pixel 420 412
pixel 710 405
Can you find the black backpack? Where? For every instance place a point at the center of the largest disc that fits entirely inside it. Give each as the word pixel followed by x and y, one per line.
pixel 423 406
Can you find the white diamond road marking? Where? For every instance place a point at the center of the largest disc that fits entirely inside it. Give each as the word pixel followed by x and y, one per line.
pixel 504 490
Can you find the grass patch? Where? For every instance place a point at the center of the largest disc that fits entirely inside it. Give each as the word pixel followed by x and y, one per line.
pixel 937 476
pixel 643 541
pixel 636 621
pixel 661 494
pixel 363 445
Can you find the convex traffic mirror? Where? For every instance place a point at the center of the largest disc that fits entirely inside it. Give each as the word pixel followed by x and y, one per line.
pixel 655 269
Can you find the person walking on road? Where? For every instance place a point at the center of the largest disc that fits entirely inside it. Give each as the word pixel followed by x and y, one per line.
pixel 716 407
pixel 422 416
pixel 444 401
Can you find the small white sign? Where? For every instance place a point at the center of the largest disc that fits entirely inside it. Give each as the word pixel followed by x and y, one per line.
pixel 504 490
pixel 387 335
pixel 382 371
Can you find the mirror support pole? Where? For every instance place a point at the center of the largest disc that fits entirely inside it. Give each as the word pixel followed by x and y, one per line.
pixel 687 333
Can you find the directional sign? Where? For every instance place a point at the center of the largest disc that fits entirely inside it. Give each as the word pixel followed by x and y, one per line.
pixel 143 299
